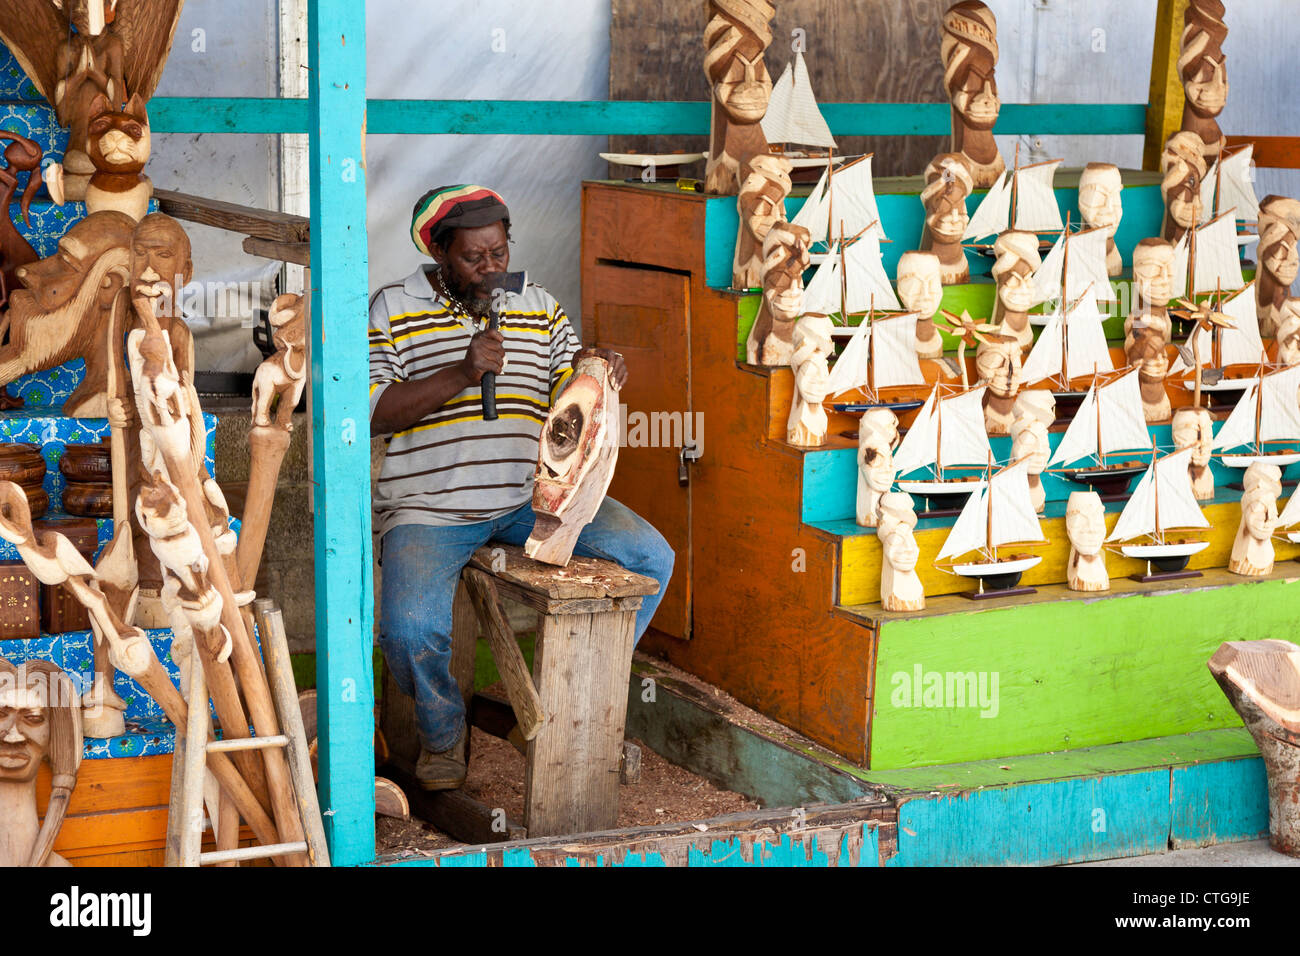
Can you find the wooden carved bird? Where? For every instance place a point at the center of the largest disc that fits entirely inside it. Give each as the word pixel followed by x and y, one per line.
pixel 969 332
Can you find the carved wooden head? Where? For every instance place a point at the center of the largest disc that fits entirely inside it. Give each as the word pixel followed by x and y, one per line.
pixel 1013 270
pixel 734 41
pixel 920 283
pixel 998 362
pixel 1099 196
pixel 39 717
pixel 785 257
pixel 118 141
pixel 571 437
pixel 948 182
pixel 969 49
pixel 160 261
pixel 1183 167
pixel 1193 427
pixel 1279 225
pixel 1201 62
pixel 1085 522
pixel 1153 271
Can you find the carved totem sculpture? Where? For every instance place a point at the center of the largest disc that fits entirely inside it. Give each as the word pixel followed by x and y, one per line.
pixel 1149 355
pixel 920 290
pixel 1153 287
pixel 1182 166
pixel 77 50
pixel 877 437
pixel 947 184
pixel 998 362
pixel 1279 263
pixel 575 462
pixel 1193 427
pixel 900 585
pixel 1013 271
pixel 39 719
pixel 1100 206
pixel 785 257
pixel 1288 333
pixel 118 144
pixel 1035 411
pixel 762 205
pixel 1201 64
pixel 735 39
pixel 1085 524
pixel 813 348
pixel 1252 548
pixel 969 50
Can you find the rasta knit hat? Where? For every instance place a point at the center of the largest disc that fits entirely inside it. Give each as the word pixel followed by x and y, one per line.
pixel 454 207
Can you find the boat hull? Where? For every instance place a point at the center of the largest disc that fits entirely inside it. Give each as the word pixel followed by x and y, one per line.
pixel 1166 557
pixel 1245 461
pixel 940 489
pixel 998 575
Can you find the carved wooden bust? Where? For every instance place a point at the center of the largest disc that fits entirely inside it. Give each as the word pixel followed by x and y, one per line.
pixel 1201 64
pixel 999 365
pixel 1100 185
pixel 947 184
pixel 969 49
pixel 1183 166
pixel 737 34
pixel 785 257
pixel 900 585
pixel 1085 524
pixel 877 437
pixel 1252 548
pixel 812 350
pixel 1279 263
pixel 1153 287
pixel 761 205
pixel 920 290
pixel 1013 271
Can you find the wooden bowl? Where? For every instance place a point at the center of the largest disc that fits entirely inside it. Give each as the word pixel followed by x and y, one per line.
pixel 21 463
pixel 87 463
pixel 38 500
pixel 90 499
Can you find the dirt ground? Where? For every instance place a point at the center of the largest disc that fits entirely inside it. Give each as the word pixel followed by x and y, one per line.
pixel 665 794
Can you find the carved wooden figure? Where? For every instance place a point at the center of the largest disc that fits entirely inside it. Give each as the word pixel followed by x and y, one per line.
pixel 1279 263
pixel 947 184
pixel 785 257
pixel 1013 271
pixel 1193 427
pixel 900 585
pixel 877 437
pixel 1288 333
pixel 118 50
pixel 1100 185
pixel 920 290
pixel 39 719
pixel 1149 355
pixel 1252 548
pixel 20 156
pixel 1262 681
pixel 1201 64
pixel 1182 166
pixel 761 204
pixel 575 461
pixel 1034 412
pixel 813 348
pixel 119 147
pixel 1153 278
pixel 969 50
pixel 735 39
pixel 64 312
pixel 998 362
pixel 1085 524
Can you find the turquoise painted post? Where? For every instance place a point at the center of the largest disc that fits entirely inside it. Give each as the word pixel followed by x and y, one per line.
pixel 341 422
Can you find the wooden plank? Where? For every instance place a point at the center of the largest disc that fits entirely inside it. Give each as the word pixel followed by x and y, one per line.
pixel 262 223
pixel 528 707
pixel 586 578
pixel 464 642
pixel 341 428
pixel 1166 98
pixel 581 667
pixel 457 814
pixel 119 784
pixel 1271 152
pixel 298 253
pixel 492 714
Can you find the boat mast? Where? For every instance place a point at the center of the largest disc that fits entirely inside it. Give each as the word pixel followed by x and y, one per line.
pixel 871 347
pixel 1216 343
pixel 938 437
pixel 1218 180
pixel 1096 403
pixel 1155 486
pixel 989 542
pixel 844 280
pixel 1065 305
pixel 1259 406
pixel 1015 170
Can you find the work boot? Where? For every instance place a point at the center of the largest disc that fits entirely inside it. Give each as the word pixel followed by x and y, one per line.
pixel 442 770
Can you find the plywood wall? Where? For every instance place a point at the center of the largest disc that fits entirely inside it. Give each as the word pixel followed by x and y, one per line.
pixel 856 51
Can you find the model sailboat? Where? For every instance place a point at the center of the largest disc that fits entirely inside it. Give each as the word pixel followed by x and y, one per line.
pixel 1229 185
pixel 1290 518
pixel 995 516
pixel 793 118
pixel 949 434
pixel 1076 262
pixel 1021 198
pixel 1268 413
pixel 1221 348
pixel 1206 259
pixel 1109 421
pixel 1071 345
pixel 881 354
pixel 851 280
pixel 1160 511
pixel 842 203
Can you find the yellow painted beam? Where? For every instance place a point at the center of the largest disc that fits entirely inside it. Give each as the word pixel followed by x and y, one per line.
pixel 1165 102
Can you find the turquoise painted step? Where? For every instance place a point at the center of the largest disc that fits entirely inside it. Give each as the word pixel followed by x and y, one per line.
pixel 52 432
pixel 902 216
pixel 830 482
pixel 14 83
pixel 37 122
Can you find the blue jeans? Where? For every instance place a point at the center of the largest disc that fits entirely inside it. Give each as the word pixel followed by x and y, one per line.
pixel 421 568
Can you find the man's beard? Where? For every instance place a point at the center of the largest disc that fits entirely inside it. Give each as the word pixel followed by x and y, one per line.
pixel 464 295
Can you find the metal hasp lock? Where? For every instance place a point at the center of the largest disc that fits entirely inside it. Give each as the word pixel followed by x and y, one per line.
pixel 690 452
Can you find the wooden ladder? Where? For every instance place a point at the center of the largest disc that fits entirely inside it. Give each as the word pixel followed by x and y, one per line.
pixel 185 817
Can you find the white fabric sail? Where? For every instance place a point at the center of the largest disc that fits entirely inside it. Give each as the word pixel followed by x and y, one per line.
pixel 868 285
pixel 1179 281
pixel 822 294
pixel 792 115
pixel 1272 402
pixel 1044 359
pixel 850 369
pixel 1241 345
pixel 1013 518
pixel 1118 405
pixel 970 530
pixel 963 439
pixel 1163 500
pixel 1232 177
pixel 1218 259
pixel 1290 515
pixel 1080 438
pixel 1086 266
pixel 848 198
pixel 812 214
pixel 994 211
pixel 1239 429
pixel 1085 340
pixel 1036 208
pixel 894 360
pixel 918 446
pixel 1199 338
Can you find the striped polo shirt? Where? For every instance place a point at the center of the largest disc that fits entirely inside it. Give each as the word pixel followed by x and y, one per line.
pixel 452 467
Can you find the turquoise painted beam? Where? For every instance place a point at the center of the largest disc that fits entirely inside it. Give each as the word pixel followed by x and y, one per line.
pixel 618 117
pixel 341 428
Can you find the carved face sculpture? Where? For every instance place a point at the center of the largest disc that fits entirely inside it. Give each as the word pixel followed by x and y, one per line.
pixel 878 432
pixel 1183 168
pixel 1017 258
pixel 24 727
pixel 785 256
pixel 1288 333
pixel 160 262
pixel 1099 196
pixel 1262 483
pixel 1279 224
pixel 998 362
pixel 1153 271
pixel 920 288
pixel 947 184
pixel 119 142
pixel 969 50
pixel 812 336
pixel 1085 522
pixel 571 439
pixel 733 61
pixel 1194 428
pixel 1207 88
pixel 1035 411
pixel 897 519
